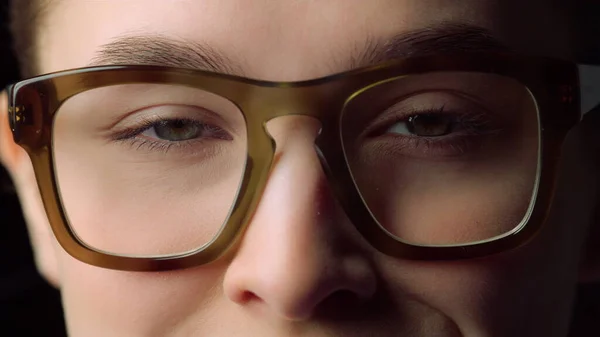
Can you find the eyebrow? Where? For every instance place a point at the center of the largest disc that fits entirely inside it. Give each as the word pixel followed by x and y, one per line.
pixel 446 38
pixel 167 51
pixel 160 50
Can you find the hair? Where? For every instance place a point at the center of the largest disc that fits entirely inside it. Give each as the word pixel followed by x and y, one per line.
pixel 25 17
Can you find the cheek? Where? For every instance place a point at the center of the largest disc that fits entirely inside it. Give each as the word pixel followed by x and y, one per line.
pixel 526 292
pixel 133 303
pixel 461 293
pixel 449 203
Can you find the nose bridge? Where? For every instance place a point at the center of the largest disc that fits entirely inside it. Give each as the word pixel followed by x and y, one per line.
pixel 306 115
pixel 293 274
pixel 293 130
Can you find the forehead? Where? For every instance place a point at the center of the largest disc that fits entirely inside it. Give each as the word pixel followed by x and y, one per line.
pixel 287 40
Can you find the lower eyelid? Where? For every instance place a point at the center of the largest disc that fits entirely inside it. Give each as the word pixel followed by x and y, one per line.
pixel 429 148
pixel 158 146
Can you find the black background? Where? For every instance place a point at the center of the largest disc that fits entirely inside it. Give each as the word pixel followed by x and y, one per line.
pixel 30 307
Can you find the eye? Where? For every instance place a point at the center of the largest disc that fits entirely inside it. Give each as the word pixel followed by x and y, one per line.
pixel 179 130
pixel 425 125
pixel 174 130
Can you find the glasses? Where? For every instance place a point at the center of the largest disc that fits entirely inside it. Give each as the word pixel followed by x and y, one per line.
pixel 440 157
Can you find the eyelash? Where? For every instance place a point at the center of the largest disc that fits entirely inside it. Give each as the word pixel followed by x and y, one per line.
pixel 130 136
pixel 472 124
pixel 475 120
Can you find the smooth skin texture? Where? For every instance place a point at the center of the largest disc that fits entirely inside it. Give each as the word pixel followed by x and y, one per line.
pixel 301 269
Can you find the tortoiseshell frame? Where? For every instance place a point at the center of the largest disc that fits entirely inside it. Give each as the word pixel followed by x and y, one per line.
pixel 34 102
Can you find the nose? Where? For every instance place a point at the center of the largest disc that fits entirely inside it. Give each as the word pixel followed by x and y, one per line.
pixel 299 251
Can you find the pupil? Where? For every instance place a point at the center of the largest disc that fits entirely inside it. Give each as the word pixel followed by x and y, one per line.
pixel 429 125
pixel 176 130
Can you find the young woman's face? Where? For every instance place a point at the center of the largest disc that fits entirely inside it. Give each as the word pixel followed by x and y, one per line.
pixel 301 268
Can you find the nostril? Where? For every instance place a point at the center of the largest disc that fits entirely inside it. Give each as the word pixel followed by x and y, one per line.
pixel 246 297
pixel 340 304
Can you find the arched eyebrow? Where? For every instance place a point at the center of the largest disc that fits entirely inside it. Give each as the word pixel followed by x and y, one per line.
pixel 161 50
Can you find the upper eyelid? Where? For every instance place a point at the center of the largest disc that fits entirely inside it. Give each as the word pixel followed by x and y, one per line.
pixel 161 111
pixel 448 103
pixel 146 124
pixel 385 118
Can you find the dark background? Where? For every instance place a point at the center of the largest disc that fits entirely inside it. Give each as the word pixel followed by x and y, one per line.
pixel 30 307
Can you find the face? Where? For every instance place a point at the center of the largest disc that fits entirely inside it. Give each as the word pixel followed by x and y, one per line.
pixel 301 268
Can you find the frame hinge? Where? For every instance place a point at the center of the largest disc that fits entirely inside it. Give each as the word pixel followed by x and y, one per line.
pixel 17 116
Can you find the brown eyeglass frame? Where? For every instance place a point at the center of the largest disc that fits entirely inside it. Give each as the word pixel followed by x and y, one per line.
pixel 33 103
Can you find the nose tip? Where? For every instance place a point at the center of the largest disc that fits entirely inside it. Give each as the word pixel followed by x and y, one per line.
pixel 297 291
pixel 302 300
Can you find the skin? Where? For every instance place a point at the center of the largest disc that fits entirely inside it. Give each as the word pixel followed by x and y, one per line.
pixel 319 278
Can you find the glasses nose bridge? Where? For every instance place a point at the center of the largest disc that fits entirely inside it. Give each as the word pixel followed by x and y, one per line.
pixel 317 101
pixel 322 102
